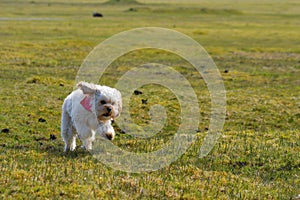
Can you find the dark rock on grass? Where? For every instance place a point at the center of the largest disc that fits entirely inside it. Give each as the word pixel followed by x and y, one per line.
pixel 239 164
pixel 132 9
pixel 5 130
pixel 34 80
pixel 42 120
pixel 226 71
pixel 52 137
pixel 144 101
pixel 137 92
pixel 122 131
pixel 61 194
pixel 96 14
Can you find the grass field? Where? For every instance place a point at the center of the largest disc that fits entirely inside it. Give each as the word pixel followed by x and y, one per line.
pixel 255 45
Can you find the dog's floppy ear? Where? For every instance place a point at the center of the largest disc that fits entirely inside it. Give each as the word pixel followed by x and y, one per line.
pixel 87 88
pixel 86 103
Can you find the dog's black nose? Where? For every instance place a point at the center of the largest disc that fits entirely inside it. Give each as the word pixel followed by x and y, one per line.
pixel 108 109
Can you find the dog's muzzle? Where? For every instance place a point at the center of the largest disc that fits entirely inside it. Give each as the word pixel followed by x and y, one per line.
pixel 108 109
pixel 108 112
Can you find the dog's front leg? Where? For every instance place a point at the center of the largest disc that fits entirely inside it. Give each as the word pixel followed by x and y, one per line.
pixel 87 136
pixel 88 144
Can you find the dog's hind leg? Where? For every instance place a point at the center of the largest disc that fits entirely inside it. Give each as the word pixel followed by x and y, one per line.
pixel 72 138
pixel 68 132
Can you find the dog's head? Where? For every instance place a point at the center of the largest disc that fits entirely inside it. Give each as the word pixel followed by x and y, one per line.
pixel 107 101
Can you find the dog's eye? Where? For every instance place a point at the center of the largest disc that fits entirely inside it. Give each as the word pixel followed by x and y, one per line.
pixel 103 102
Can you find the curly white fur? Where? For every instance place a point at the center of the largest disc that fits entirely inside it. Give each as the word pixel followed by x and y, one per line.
pixel 88 111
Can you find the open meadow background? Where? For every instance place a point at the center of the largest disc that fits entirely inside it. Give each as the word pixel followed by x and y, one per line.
pixel 256 46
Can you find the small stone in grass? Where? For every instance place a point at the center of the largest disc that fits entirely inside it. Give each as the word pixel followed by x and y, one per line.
pixel 96 14
pixel 144 101
pixel 42 119
pixel 122 131
pixel 52 137
pixel 137 92
pixel 5 130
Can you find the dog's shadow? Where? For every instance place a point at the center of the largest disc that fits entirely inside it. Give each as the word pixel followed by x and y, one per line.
pixel 56 149
pixel 54 146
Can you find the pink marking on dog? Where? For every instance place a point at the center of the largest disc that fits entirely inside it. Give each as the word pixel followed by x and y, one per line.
pixel 86 103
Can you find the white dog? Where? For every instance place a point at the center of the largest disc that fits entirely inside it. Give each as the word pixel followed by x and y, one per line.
pixel 89 111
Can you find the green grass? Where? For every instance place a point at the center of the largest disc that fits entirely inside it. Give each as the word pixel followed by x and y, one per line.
pixel 257 43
